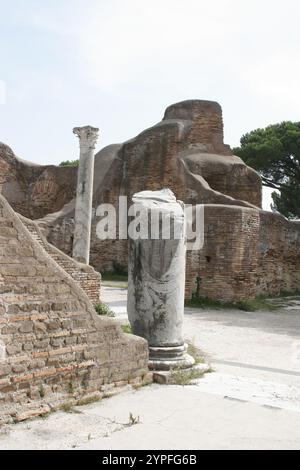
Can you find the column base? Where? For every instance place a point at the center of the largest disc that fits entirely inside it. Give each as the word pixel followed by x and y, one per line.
pixel 169 358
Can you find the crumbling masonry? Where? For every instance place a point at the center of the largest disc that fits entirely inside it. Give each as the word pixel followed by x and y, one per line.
pixel 247 251
pixel 54 349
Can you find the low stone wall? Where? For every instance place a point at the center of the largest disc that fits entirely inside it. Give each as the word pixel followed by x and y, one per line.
pixel 53 346
pixel 88 279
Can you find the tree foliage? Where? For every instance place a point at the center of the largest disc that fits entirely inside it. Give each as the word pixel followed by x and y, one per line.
pixel 275 153
pixel 69 163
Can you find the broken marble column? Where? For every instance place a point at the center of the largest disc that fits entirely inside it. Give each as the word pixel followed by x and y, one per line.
pixel 84 198
pixel 156 279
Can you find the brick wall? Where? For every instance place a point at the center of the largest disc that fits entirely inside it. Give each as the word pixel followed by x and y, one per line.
pixel 206 123
pixel 225 269
pixel 86 276
pixel 246 253
pixel 186 153
pixel 56 348
pixel 35 190
pixel 167 155
pixel 278 255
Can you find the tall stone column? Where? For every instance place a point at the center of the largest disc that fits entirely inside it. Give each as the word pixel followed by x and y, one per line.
pixel 84 198
pixel 156 280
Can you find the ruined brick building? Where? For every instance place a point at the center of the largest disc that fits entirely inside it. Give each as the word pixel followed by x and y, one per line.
pixel 247 251
pixel 54 348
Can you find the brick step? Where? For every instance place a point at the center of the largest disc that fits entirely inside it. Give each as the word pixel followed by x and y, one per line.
pixel 88 281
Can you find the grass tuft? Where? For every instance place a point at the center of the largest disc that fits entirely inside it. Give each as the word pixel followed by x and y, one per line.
pixel 287 294
pixel 115 284
pixel 195 353
pixel 104 310
pixel 113 276
pixel 255 305
pixel 185 376
pixel 133 419
pixel 68 407
pixel 126 328
pixel 251 305
pixel 88 401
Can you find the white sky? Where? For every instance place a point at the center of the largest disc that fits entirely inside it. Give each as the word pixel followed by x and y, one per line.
pixel 117 64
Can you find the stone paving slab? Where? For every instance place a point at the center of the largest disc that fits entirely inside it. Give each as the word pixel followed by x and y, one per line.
pixel 251 401
pixel 170 417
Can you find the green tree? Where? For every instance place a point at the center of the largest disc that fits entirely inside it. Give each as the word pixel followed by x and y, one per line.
pixel 69 163
pixel 275 153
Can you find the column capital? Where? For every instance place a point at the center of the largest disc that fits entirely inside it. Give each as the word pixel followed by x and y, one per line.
pixel 87 135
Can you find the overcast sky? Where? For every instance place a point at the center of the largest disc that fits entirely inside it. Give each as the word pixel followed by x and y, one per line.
pixel 117 64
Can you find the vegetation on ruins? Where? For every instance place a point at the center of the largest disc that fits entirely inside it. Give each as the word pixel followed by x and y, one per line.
pixel 251 305
pixel 104 310
pixel 189 376
pixel 195 353
pixel 126 328
pixel 110 276
pixel 275 153
pixel 115 284
pixel 118 274
pixel 132 420
pixel 186 376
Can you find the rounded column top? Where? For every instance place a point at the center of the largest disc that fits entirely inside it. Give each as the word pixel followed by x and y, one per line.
pixel 87 135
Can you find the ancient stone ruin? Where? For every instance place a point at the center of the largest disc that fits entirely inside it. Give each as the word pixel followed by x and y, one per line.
pixel 156 275
pixel 247 251
pixel 54 349
pixel 84 196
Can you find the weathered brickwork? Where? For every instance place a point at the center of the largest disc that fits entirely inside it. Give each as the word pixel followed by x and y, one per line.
pixel 186 153
pixel 278 255
pixel 86 276
pixel 225 269
pixel 207 123
pixel 246 253
pixel 53 346
pixel 35 190
pixel 181 153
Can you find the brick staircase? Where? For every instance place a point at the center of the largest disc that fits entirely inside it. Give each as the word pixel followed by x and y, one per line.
pixel 54 348
pixel 88 279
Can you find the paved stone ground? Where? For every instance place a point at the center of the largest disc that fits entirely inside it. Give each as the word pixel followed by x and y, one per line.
pixel 250 401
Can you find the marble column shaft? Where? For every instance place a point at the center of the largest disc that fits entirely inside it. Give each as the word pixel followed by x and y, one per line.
pixel 156 282
pixel 84 197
